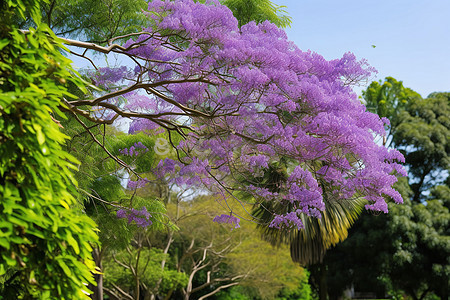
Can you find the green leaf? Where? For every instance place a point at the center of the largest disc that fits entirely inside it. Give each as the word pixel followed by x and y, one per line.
pixel 39 134
pixel 72 242
pixel 5 244
pixel 63 266
pixel 3 43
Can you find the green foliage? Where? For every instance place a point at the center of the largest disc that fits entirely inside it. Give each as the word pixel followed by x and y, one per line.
pixel 424 137
pixel 264 271
pixel 96 21
pixel 388 99
pixel 259 11
pixel 147 265
pixel 302 292
pixel 234 293
pixel 45 245
pixel 409 248
pixel 421 246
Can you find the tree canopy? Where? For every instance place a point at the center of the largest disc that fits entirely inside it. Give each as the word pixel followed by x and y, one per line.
pixel 419 128
pixel 258 11
pixel 238 109
pixel 409 247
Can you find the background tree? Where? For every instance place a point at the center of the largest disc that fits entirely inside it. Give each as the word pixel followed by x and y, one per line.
pixel 388 99
pixel 88 20
pixel 258 11
pixel 135 272
pixel 424 137
pixel 419 128
pixel 216 258
pixel 409 246
pixel 102 193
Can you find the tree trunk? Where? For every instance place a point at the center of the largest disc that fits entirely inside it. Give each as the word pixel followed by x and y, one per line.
pixel 98 290
pixel 187 295
pixel 323 286
pixel 418 189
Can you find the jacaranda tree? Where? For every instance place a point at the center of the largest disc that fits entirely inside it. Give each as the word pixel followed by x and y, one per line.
pixel 242 99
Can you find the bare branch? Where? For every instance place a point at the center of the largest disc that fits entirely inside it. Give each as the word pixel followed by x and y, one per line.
pixel 116 159
pixel 218 289
pixel 125 294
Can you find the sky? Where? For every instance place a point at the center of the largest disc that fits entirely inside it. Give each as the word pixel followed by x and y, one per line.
pixel 411 38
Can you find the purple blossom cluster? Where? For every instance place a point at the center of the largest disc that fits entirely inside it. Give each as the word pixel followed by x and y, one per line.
pixel 137 184
pixel 249 98
pixel 107 77
pixel 288 220
pixel 227 219
pixel 132 151
pixel 140 217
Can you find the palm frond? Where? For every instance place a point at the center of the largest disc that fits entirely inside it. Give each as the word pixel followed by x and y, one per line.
pixel 309 245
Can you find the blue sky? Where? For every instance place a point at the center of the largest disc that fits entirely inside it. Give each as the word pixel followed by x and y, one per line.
pixel 412 38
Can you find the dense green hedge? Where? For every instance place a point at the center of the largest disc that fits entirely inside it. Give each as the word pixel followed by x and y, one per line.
pixel 45 244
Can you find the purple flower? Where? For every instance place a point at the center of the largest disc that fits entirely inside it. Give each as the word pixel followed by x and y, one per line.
pixel 228 219
pixel 121 213
pixel 288 220
pixel 140 217
pixel 107 77
pixel 132 150
pixel 140 183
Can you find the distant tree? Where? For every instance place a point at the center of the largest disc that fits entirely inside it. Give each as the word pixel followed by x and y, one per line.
pixel 423 136
pixel 258 11
pixel 388 99
pixel 410 246
pixel 135 272
pixel 419 128
pixel 410 250
pixel 216 258
pixel 91 20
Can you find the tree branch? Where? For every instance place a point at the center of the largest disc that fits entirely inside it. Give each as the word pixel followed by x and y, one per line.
pixel 218 289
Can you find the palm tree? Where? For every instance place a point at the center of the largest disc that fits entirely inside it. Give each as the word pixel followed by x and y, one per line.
pixel 309 245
